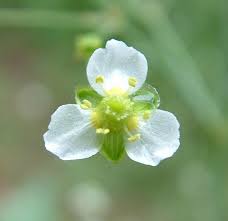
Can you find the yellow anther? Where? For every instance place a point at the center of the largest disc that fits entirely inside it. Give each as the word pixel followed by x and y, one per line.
pixel 99 130
pixel 100 79
pixel 132 123
pixel 86 104
pixel 83 106
pixel 132 81
pixel 146 115
pixel 106 131
pixel 134 138
pixel 102 131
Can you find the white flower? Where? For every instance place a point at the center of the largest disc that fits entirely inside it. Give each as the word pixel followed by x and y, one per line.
pixel 78 131
pixel 117 62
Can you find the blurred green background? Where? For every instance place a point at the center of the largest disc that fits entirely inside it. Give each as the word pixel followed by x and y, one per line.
pixel 186 46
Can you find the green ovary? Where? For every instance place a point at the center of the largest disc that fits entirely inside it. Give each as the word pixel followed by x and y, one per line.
pixel 115 113
pixel 111 118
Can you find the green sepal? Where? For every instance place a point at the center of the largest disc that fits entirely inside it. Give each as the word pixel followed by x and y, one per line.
pixel 113 146
pixel 89 94
pixel 146 98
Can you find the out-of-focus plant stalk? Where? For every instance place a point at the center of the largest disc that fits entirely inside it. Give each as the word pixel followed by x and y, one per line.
pixel 177 63
pixel 49 19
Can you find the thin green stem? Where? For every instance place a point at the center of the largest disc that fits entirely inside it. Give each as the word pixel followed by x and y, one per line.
pixel 49 19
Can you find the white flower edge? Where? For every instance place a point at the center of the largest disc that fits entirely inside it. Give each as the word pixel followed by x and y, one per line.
pixel 159 139
pixel 70 135
pixel 117 63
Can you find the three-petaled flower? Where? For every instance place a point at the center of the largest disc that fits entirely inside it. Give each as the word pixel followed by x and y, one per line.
pixel 120 115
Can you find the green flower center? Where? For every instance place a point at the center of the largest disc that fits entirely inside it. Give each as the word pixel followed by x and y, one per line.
pixel 114 113
pixel 116 116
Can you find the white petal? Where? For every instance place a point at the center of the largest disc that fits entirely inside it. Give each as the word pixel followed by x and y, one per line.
pixel 70 135
pixel 117 62
pixel 159 139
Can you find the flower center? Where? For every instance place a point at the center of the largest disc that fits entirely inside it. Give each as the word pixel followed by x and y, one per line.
pixel 114 113
pixel 118 106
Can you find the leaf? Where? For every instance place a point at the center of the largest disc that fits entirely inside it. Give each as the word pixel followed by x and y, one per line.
pixel 87 94
pixel 146 98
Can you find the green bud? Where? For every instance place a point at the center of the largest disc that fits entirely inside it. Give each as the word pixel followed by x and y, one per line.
pixel 86 44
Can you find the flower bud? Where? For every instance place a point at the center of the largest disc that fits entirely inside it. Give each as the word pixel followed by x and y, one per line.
pixel 86 44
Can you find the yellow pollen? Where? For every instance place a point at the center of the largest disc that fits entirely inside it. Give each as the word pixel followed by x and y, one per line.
pixel 99 131
pixel 146 115
pixel 86 104
pixel 134 138
pixel 106 131
pixel 83 106
pixel 102 131
pixel 100 79
pixel 132 123
pixel 132 81
pixel 115 91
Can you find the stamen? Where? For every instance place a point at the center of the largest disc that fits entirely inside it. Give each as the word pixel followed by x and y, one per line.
pixel 102 131
pixel 86 104
pixel 100 79
pixel 83 106
pixel 99 130
pixel 134 138
pixel 146 115
pixel 132 123
pixel 106 131
pixel 132 81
